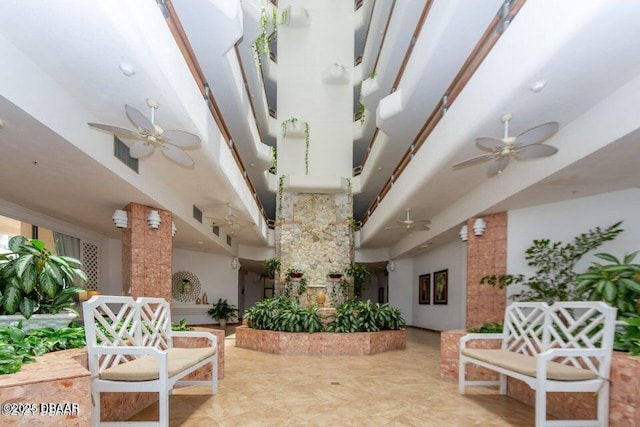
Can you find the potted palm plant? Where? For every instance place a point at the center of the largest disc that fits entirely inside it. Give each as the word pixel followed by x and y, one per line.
pixel 271 266
pixel 36 282
pixel 222 311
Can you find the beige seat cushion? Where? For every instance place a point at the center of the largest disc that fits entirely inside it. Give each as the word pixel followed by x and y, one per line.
pixel 146 368
pixel 526 365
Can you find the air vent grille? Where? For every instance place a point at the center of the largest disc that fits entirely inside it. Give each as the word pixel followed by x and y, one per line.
pixel 229 240
pixel 197 214
pixel 216 230
pixel 121 152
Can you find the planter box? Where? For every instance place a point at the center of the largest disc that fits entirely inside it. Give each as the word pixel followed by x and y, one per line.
pixel 320 343
pixel 60 320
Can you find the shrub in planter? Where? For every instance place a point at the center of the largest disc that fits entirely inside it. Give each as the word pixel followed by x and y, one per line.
pixel 34 280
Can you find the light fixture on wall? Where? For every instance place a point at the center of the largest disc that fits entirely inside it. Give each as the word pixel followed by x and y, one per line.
pixel 391 266
pixel 153 219
pixel 235 263
pixel 173 229
pixel 120 218
pixel 464 233
pixel 479 225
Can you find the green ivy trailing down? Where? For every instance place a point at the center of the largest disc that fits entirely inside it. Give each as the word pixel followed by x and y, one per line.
pixel 261 44
pixel 18 347
pixel 274 161
pixel 554 279
pixel 280 191
pixel 285 126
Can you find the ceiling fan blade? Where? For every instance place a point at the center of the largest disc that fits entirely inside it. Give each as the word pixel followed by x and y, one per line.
pixel 181 138
pixel 474 160
pixel 117 131
pixel 489 143
pixel 421 221
pixel 498 165
pixel 140 149
pixel 139 120
pixel 534 151
pixel 175 154
pixel 538 133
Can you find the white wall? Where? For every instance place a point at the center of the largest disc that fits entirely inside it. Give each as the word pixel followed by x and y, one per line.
pixel 401 287
pixel 453 257
pixel 562 221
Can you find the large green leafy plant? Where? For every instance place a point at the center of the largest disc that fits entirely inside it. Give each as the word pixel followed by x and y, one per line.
pixel 222 310
pixel 34 280
pixel 554 278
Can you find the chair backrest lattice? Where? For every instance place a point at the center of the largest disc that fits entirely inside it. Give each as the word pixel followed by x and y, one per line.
pixel 122 321
pixel 534 327
pixel 524 326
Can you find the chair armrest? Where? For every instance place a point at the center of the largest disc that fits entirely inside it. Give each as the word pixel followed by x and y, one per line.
pixel 469 337
pixel 196 334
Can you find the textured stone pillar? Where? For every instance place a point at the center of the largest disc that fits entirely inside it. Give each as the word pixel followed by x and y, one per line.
pixel 146 254
pixel 486 254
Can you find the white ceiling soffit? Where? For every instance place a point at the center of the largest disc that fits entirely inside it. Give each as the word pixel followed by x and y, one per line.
pixel 83 84
pixel 598 36
pixel 451 31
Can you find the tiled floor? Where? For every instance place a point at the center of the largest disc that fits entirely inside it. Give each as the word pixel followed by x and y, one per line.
pixel 399 388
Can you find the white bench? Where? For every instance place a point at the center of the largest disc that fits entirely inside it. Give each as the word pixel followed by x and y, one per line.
pixel 566 347
pixel 130 349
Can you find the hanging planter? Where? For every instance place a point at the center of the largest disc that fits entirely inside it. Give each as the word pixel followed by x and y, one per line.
pixel 294 128
pixel 335 74
pixel 296 17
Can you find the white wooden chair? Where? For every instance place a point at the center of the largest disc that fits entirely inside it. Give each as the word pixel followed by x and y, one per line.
pixel 130 350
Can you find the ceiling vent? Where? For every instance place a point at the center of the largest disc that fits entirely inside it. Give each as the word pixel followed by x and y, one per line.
pixel 121 152
pixel 197 214
pixel 216 230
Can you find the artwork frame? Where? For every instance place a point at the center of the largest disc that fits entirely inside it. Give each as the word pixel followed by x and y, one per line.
pixel 424 289
pixel 441 287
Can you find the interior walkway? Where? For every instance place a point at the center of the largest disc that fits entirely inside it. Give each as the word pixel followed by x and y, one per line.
pixel 399 388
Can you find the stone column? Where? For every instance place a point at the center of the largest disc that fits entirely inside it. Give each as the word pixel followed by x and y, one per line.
pixel 146 254
pixel 486 254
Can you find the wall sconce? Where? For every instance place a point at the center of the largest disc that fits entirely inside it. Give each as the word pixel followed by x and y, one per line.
pixel 120 218
pixel 479 226
pixel 464 233
pixel 235 263
pixel 173 229
pixel 391 266
pixel 153 219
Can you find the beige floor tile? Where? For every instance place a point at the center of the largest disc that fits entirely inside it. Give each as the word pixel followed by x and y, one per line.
pixel 398 388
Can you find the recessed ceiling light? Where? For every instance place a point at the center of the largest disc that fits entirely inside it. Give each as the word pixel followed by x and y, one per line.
pixel 1 123
pixel 538 86
pixel 127 69
pixel 200 242
pixel 380 168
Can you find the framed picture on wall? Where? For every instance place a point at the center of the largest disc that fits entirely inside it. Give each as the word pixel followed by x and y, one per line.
pixel 424 289
pixel 440 287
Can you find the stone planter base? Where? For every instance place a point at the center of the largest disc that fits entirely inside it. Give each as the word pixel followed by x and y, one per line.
pixel 59 320
pixel 321 343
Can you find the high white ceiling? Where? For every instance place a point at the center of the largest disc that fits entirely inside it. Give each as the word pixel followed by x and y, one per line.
pixel 61 70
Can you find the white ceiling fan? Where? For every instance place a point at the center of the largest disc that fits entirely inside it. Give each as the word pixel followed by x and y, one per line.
pixel 148 136
pixel 527 145
pixel 409 224
pixel 231 221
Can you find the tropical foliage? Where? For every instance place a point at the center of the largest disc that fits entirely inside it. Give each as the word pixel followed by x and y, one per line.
pixel 34 280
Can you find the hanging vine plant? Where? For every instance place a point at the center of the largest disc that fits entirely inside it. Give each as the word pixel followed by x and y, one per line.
pixel 293 122
pixel 274 161
pixel 361 110
pixel 260 46
pixel 280 191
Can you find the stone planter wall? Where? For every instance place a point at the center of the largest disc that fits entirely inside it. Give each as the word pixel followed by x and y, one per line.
pixel 624 401
pixel 321 343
